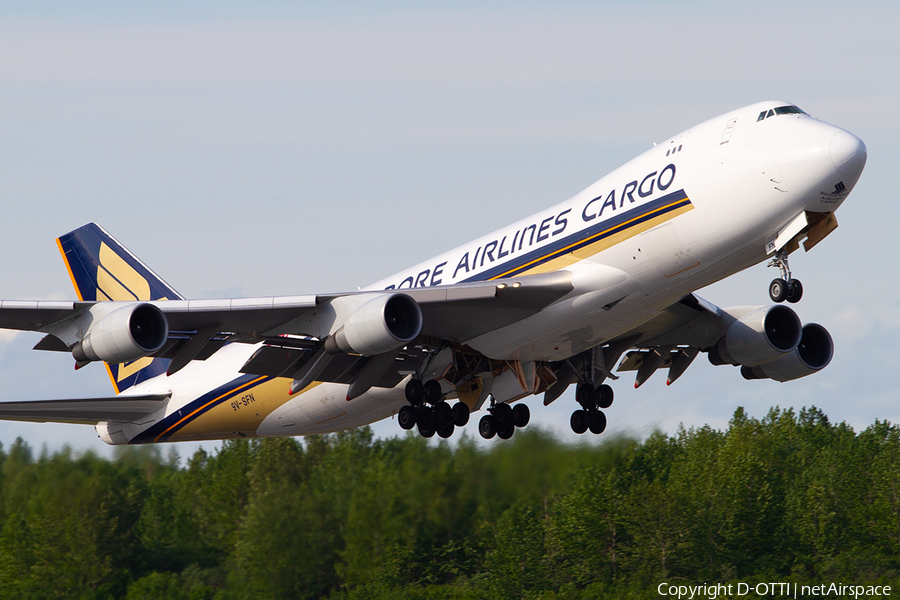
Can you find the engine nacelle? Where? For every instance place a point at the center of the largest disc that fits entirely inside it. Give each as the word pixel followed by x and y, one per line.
pixel 812 355
pixel 384 323
pixel 760 336
pixel 126 334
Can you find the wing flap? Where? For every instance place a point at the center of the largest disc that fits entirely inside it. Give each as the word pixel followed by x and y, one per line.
pixel 88 411
pixel 283 361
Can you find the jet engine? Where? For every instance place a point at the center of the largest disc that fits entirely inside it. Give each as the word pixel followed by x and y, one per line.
pixel 812 354
pixel 125 334
pixel 758 337
pixel 387 322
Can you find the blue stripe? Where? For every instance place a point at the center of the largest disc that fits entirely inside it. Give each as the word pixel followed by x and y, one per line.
pixel 227 391
pixel 591 235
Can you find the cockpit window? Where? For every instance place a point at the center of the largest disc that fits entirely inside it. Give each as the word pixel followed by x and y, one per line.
pixel 781 110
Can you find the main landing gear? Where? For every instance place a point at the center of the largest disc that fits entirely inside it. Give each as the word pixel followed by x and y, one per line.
pixel 503 420
pixel 428 410
pixel 784 288
pixel 591 400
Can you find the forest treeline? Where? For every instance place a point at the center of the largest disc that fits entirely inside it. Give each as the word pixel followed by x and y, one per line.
pixel 789 497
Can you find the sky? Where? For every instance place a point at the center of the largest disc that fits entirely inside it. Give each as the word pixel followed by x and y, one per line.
pixel 289 148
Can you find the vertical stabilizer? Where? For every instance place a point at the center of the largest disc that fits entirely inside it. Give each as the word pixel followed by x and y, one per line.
pixel 103 269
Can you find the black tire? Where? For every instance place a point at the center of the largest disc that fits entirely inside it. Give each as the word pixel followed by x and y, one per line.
pixel 446 431
pixel 443 415
pixel 460 414
pixel 426 432
pixel 407 417
pixel 580 421
pixel 432 392
pixel 487 427
pixel 586 396
pixel 426 418
pixel 507 432
pixel 598 422
pixel 415 391
pixel 605 396
pixel 795 291
pixel 521 415
pixel 503 414
pixel 778 290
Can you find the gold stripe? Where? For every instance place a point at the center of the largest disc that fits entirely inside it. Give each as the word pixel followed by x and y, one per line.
pixel 132 281
pixel 564 260
pixel 128 369
pixel 108 285
pixel 223 420
pixel 601 245
pixel 195 411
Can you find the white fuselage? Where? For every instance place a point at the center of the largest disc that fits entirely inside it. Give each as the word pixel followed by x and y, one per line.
pixel 690 211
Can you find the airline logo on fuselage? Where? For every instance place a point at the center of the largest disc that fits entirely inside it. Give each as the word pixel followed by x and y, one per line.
pixel 516 251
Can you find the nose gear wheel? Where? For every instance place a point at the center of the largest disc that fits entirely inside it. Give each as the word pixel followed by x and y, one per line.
pixel 784 288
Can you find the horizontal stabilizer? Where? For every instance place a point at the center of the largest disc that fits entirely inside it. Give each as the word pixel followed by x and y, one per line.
pixel 89 410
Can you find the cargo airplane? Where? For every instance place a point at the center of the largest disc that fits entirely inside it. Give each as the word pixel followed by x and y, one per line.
pixel 600 284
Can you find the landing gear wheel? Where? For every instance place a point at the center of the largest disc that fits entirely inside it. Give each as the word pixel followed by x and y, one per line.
pixel 795 291
pixel 426 432
pixel 521 415
pixel 446 431
pixel 605 396
pixel 579 421
pixel 407 417
pixel 503 414
pixel 460 414
pixel 778 290
pixel 415 391
pixel 443 415
pixel 598 422
pixel 507 432
pixel 586 395
pixel 426 419
pixel 487 427
pixel 432 392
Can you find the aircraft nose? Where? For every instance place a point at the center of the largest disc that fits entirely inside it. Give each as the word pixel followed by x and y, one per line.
pixel 848 153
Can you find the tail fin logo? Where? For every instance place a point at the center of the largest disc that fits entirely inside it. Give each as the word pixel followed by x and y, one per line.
pixel 102 269
pixel 117 280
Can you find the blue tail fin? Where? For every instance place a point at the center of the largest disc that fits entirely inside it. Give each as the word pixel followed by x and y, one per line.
pixel 103 269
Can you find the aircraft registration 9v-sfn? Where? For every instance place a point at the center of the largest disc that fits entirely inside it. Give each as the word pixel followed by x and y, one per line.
pixel 555 299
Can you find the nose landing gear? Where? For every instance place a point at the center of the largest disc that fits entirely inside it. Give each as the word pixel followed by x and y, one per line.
pixel 784 288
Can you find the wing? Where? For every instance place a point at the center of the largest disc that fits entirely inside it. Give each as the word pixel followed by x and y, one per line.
pixel 670 340
pixel 89 411
pixel 766 342
pixel 130 318
pixel 293 327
